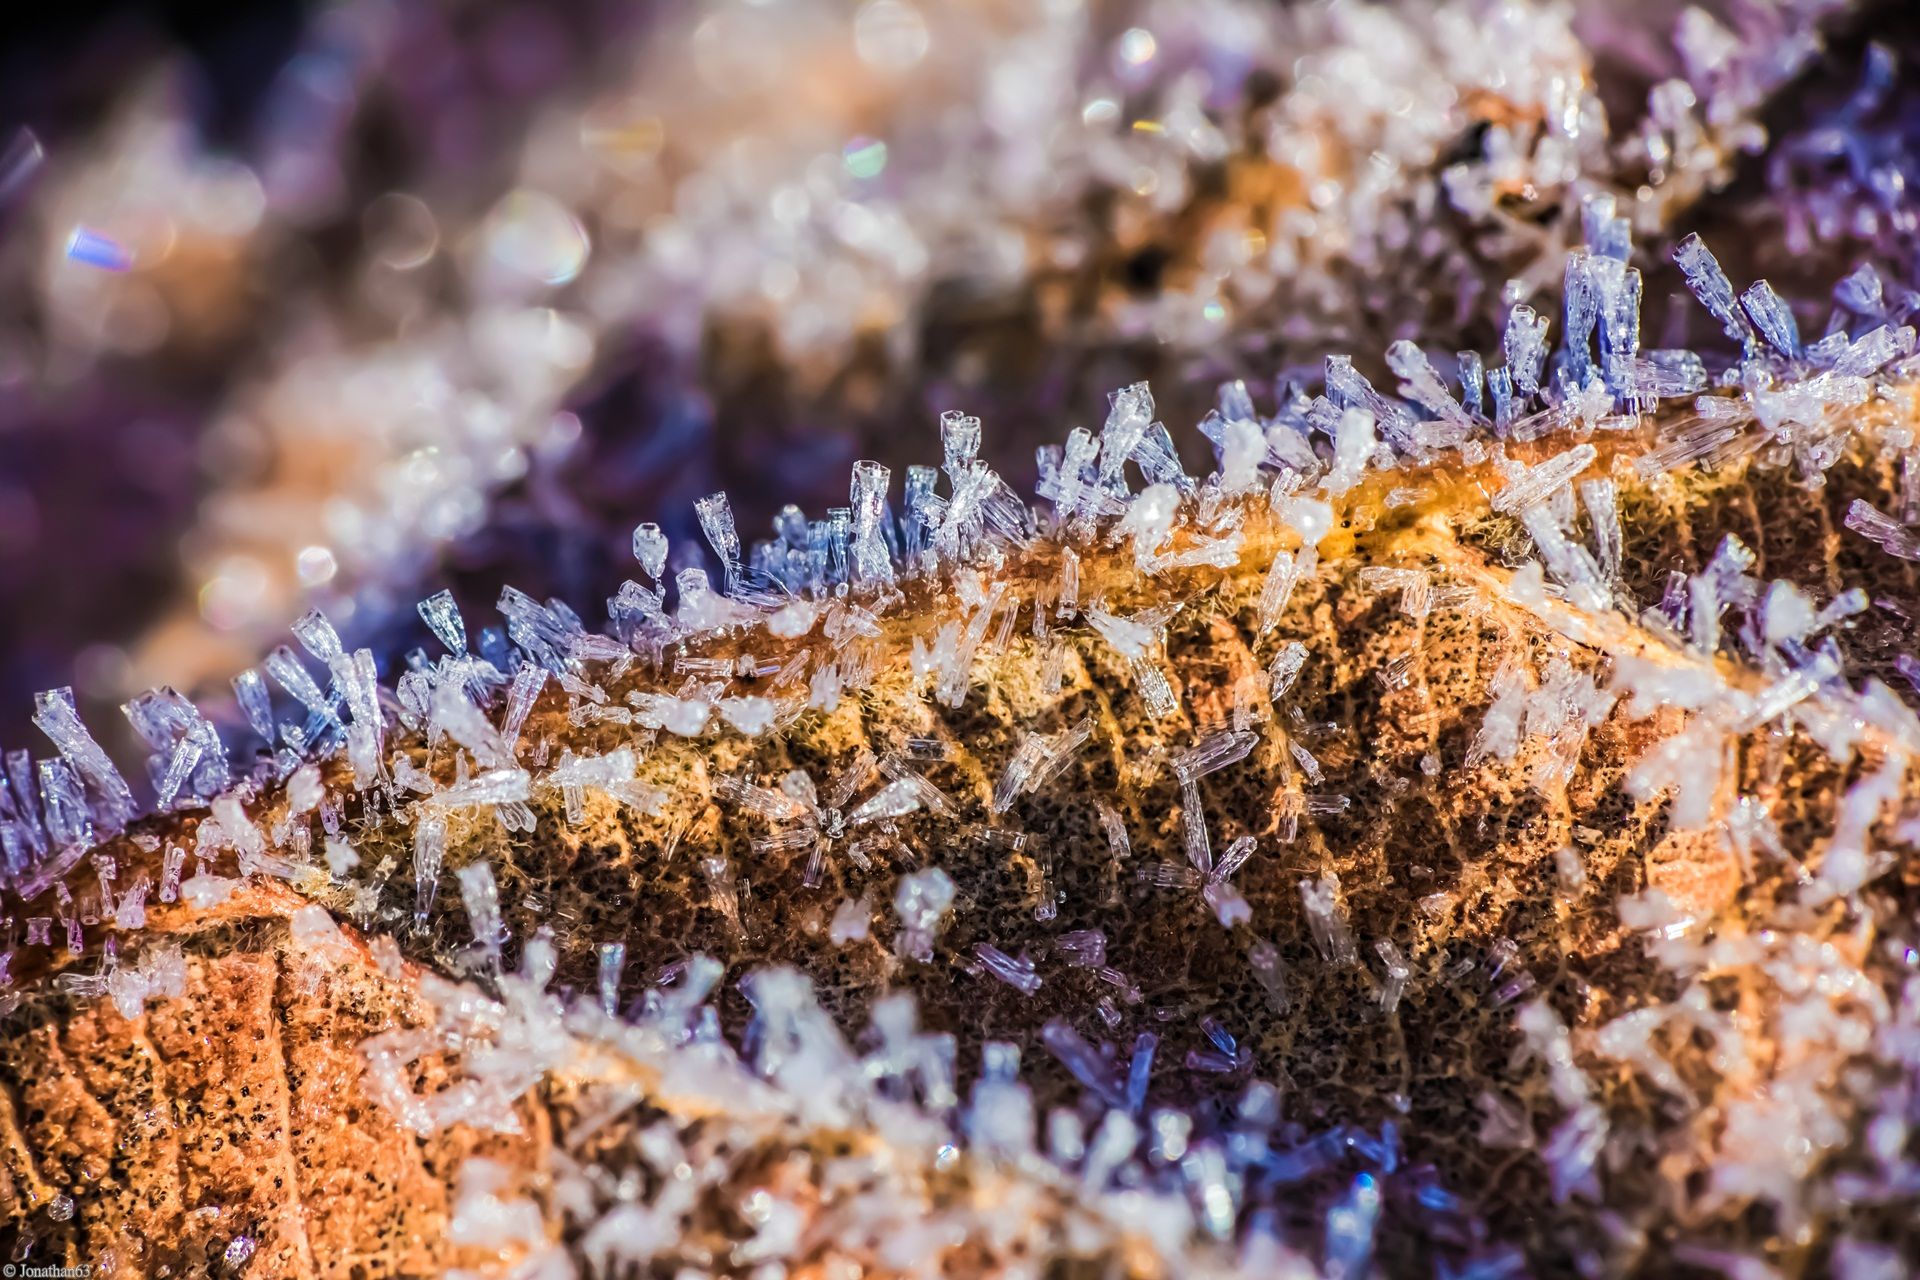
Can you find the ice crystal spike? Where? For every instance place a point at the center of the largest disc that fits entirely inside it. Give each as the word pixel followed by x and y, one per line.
pixel 1607 234
pixel 716 522
pixel 1472 382
pixel 611 962
pixel 68 816
pixel 1234 858
pixel 442 617
pixel 1888 534
pixel 481 897
pixel 1525 348
pixel 1421 384
pixel 1581 310
pixel 1215 751
pixel 1350 390
pixel 1081 1059
pixel 1084 948
pixel 1710 284
pixel 1285 669
pixel 1129 416
pixel 1016 973
pixel 1193 829
pixel 1286 571
pixel 922 514
pixel 1863 292
pixel 23 799
pixel 542 632
pixel 1873 351
pixel 960 443
pixel 1620 342
pixel 189 761
pixel 1397 973
pixel 1327 919
pixel 1771 315
pixel 319 638
pixel 872 560
pixel 1603 510
pixel 285 667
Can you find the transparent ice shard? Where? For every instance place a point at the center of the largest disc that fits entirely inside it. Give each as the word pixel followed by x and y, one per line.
pixel 959 441
pixel 1398 972
pixel 521 695
pixel 442 617
pixel 1214 751
pixel 1421 384
pixel 716 522
pixel 1129 416
pixel 1283 576
pixel 1525 348
pixel 1529 486
pixel 1019 973
pixel 1771 315
pixel 318 637
pixel 1598 496
pixel 481 896
pixel 1285 669
pixel 1885 532
pixel 1710 284
pixel 1327 919
pixel 285 667
pixel 872 561
pixel 650 549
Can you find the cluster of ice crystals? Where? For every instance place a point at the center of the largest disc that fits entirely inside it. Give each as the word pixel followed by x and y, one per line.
pixel 1724 654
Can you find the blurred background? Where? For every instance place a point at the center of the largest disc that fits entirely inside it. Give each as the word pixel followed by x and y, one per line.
pixel 334 304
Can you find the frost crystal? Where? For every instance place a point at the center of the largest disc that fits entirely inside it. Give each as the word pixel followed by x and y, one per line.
pixel 1397 974
pixel 1419 383
pixel 1327 919
pixel 1889 535
pixel 650 550
pixel 1285 669
pixel 716 522
pixel 872 561
pixel 1018 974
pixel 1771 315
pixel 527 682
pixel 922 902
pixel 442 617
pixel 285 667
pixel 1525 347
pixel 1528 487
pixel 1277 589
pixel 1599 498
pixel 1215 751
pixel 250 688
pixel 1710 284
